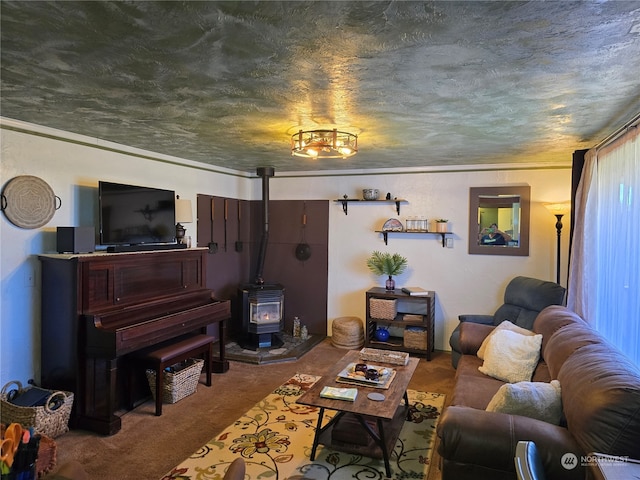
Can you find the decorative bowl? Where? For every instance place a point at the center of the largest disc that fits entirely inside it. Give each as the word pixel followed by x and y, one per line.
pixel 370 193
pixel 372 374
pixel 361 367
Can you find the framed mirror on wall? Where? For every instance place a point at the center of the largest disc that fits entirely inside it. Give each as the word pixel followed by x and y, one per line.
pixel 499 220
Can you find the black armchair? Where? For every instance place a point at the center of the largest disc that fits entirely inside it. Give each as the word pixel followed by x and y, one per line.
pixel 524 298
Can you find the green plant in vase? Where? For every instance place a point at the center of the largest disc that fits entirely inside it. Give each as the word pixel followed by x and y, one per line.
pixel 387 264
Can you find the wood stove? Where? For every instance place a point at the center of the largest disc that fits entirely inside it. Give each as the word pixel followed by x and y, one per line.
pixel 262 315
pixel 262 305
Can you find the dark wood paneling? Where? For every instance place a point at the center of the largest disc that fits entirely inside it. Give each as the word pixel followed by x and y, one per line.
pixel 226 268
pixel 305 282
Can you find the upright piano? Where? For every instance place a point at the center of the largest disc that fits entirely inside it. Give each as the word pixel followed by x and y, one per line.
pixel 99 308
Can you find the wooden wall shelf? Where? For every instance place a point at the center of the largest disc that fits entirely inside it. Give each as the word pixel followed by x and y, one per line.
pixel 345 202
pixel 385 234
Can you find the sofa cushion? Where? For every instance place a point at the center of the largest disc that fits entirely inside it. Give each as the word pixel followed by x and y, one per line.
pixel 476 393
pixel 475 389
pixel 541 373
pixel 471 336
pixel 552 319
pixel 511 357
pixel 506 325
pixel 565 342
pixel 531 399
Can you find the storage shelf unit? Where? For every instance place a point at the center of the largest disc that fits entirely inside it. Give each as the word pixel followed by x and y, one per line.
pixel 412 311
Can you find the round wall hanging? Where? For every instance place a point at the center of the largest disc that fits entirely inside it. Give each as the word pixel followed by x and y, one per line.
pixel 29 202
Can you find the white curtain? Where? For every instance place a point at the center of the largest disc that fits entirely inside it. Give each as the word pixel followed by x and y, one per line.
pixel 604 278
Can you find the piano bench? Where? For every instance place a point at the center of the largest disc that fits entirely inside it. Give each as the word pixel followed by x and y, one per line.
pixel 166 355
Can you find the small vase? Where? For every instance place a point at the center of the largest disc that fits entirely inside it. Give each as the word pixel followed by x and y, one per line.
pixel 390 284
pixel 382 334
pixel 442 227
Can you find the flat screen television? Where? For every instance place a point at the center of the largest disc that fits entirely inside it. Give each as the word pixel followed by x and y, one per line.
pixel 135 215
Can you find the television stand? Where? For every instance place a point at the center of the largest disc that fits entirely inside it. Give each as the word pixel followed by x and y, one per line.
pixel 144 247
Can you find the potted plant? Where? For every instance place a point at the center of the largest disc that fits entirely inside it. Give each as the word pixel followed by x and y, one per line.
pixel 387 264
pixel 441 225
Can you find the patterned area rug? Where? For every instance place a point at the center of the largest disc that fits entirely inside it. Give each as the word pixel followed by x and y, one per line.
pixel 276 435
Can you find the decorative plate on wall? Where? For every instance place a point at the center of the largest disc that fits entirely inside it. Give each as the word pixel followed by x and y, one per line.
pixel 393 225
pixel 29 202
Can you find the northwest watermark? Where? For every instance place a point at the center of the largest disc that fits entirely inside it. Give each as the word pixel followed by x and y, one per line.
pixel 570 461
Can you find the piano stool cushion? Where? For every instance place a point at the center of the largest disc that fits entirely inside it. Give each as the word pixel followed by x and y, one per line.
pixel 179 349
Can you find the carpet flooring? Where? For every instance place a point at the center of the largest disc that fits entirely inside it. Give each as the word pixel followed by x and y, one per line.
pixel 147 447
pixel 275 437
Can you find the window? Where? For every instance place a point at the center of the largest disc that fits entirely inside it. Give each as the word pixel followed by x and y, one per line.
pixel 605 266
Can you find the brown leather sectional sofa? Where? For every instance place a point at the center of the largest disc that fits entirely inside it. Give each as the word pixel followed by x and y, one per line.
pixel 600 391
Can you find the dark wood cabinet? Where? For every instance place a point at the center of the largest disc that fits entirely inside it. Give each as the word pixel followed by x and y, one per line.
pixel 411 314
pixel 98 308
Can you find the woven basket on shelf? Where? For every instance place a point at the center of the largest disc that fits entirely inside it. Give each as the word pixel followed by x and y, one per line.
pixel 382 308
pixel 180 384
pixel 51 419
pixel 415 337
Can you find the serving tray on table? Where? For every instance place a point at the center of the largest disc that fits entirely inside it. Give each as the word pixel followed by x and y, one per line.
pixel 349 375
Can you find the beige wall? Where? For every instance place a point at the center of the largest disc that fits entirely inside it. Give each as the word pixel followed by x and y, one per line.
pixel 72 165
pixel 463 283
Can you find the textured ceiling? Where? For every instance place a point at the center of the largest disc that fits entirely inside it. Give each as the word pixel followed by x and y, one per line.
pixel 421 83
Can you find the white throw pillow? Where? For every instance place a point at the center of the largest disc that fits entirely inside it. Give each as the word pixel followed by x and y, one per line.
pixel 538 400
pixel 511 357
pixel 506 325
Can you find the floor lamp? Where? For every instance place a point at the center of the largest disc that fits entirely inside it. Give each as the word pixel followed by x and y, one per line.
pixel 558 210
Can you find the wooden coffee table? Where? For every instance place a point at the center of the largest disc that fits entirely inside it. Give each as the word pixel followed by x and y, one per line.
pixel 388 414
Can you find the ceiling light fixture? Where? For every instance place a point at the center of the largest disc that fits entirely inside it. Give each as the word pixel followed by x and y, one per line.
pixel 324 144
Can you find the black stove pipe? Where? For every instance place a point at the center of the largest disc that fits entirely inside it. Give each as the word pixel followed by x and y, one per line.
pixel 265 173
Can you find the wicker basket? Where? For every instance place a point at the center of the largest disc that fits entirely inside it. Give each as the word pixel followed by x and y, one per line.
pixel 382 308
pixel 384 356
pixel 180 384
pixel 51 419
pixel 415 337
